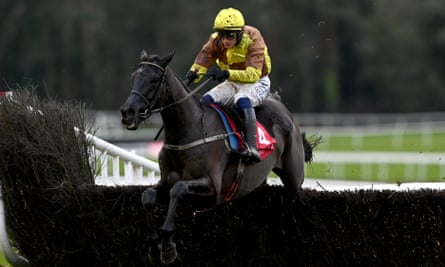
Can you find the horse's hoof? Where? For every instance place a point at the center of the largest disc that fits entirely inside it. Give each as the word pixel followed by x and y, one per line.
pixel 168 253
pixel 154 255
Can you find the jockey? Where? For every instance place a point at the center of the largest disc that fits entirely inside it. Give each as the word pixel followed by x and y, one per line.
pixel 242 66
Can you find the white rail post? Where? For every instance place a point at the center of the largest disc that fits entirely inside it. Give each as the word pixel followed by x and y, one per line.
pixel 133 165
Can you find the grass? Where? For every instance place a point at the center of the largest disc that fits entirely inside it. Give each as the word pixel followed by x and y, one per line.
pixel 394 173
pixel 400 143
pixel 3 261
pixel 411 142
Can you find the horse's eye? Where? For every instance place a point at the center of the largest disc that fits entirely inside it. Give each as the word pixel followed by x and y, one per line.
pixel 155 80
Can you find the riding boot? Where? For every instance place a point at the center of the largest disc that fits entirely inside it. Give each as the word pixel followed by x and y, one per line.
pixel 251 153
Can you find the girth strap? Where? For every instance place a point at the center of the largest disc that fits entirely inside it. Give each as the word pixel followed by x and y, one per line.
pixel 198 142
pixel 241 164
pixel 236 181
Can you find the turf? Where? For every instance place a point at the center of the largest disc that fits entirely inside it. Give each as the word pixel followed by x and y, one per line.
pixel 414 142
pixel 404 142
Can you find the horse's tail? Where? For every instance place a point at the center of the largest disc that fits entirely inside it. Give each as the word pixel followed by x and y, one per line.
pixel 309 146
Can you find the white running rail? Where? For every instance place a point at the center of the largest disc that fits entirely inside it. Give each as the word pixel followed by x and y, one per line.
pixel 115 166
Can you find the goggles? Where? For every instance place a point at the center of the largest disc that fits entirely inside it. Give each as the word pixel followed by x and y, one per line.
pixel 229 35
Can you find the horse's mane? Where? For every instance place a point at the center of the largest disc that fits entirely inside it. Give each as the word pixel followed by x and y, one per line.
pixel 181 81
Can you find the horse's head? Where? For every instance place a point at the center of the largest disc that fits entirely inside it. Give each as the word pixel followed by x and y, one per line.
pixel 148 81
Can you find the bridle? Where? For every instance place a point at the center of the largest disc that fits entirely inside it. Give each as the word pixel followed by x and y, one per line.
pixel 149 110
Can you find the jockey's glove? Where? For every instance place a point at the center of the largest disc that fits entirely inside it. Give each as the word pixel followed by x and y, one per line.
pixel 218 74
pixel 191 76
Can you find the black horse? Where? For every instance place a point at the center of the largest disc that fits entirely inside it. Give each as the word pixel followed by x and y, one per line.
pixel 195 159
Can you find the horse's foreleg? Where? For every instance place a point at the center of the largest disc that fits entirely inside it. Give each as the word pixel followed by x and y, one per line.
pixel 149 198
pixel 148 201
pixel 201 187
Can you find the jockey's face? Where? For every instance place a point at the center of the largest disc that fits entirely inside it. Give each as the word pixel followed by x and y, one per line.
pixel 228 42
pixel 228 38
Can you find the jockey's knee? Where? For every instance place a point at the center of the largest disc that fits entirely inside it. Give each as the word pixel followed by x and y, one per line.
pixel 243 103
pixel 207 99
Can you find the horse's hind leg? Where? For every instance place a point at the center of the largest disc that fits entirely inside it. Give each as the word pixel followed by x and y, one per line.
pixel 291 171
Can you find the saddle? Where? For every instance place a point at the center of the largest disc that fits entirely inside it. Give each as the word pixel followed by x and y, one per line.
pixel 233 123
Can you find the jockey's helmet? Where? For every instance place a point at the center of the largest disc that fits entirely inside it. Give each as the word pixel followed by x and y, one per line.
pixel 229 19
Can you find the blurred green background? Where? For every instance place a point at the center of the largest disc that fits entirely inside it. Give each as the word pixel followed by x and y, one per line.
pixel 328 56
pixel 347 56
pixel 409 156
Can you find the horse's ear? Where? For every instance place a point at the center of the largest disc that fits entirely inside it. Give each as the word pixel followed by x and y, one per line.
pixel 166 60
pixel 144 55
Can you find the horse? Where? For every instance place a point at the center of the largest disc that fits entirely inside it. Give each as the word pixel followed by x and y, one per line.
pixel 195 159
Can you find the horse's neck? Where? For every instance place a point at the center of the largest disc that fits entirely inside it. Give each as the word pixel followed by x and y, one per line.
pixel 183 115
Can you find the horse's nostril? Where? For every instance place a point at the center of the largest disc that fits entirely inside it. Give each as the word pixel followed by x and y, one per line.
pixel 127 112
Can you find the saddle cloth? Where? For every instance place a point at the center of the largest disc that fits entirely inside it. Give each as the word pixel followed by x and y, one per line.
pixel 264 141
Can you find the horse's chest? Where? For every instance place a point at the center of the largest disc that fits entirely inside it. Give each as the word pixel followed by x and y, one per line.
pixel 186 166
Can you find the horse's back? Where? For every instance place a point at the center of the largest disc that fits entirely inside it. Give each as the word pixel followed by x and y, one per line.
pixel 273 112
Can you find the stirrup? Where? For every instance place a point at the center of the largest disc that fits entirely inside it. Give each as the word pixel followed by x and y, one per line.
pixel 250 155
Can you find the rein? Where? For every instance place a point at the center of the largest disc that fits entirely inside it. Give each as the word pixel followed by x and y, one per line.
pixel 185 97
pixel 149 110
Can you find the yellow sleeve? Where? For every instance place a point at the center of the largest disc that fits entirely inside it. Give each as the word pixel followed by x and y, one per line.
pixel 249 75
pixel 200 70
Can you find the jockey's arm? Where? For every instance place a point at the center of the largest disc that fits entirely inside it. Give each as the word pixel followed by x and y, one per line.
pixel 249 75
pixel 200 70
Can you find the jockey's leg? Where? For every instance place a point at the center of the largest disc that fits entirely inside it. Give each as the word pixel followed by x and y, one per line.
pixel 251 153
pixel 207 99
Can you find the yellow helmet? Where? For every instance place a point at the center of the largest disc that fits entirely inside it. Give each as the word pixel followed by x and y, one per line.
pixel 229 19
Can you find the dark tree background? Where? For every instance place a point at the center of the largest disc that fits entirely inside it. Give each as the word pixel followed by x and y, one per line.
pixel 328 56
